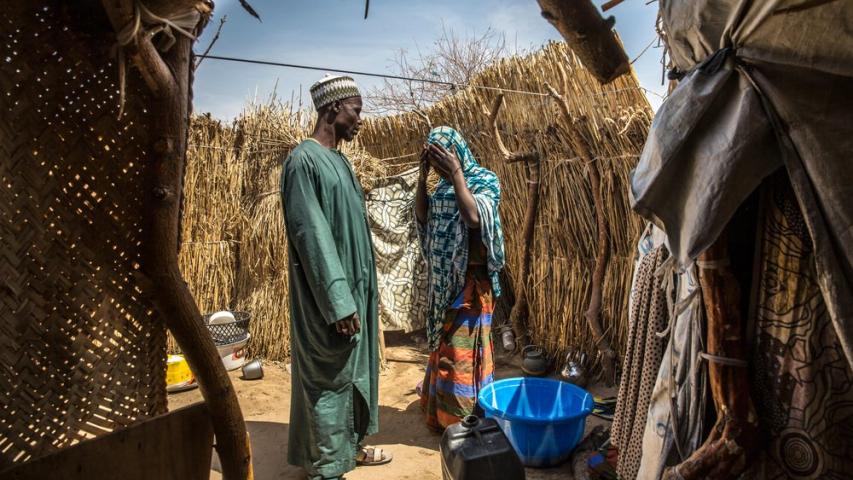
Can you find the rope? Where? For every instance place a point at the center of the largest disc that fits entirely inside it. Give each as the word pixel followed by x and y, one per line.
pixel 576 160
pixel 371 74
pixel 645 49
pixel 409 79
pixel 180 22
pixel 399 157
pixel 665 274
pixel 400 175
pixel 213 147
pixel 212 242
pixel 728 361
pixel 234 149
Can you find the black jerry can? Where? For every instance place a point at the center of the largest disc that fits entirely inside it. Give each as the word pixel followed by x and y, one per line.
pixel 477 449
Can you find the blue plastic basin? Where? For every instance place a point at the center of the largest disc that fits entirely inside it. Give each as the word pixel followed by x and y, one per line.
pixel 544 419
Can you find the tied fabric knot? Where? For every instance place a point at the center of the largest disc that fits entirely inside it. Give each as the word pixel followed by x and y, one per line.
pixel 715 61
pixel 667 278
pixel 709 66
pixel 181 22
pixel 728 361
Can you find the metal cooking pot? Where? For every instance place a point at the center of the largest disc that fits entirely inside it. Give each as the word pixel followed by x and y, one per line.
pixel 533 360
pixel 253 370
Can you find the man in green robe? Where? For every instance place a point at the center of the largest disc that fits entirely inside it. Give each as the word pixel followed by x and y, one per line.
pixel 333 294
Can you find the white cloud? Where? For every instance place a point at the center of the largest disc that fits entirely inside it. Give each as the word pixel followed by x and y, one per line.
pixel 522 24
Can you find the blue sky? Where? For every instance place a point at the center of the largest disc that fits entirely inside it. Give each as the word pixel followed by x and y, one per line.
pixel 333 33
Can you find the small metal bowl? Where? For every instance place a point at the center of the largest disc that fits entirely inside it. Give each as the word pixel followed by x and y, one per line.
pixel 253 370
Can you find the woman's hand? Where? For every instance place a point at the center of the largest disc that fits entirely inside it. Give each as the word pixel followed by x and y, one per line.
pixel 446 163
pixel 448 166
pixel 424 164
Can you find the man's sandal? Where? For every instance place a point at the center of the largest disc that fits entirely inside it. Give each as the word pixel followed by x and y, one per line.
pixel 371 456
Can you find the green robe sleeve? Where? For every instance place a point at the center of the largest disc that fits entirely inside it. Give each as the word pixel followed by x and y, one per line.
pixel 311 236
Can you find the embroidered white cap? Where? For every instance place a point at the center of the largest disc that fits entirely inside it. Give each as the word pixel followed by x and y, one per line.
pixel 333 88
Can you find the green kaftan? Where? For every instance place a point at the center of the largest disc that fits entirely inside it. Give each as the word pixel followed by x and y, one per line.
pixel 332 274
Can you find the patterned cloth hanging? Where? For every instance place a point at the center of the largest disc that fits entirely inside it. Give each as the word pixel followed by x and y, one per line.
pixel 399 264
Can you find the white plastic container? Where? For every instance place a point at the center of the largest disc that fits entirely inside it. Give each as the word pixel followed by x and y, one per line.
pixel 234 354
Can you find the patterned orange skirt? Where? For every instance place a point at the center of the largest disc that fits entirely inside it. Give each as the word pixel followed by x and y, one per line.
pixel 463 363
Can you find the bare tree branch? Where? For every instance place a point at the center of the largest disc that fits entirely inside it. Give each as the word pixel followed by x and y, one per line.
pixel 212 41
pixel 454 61
pixel 508 156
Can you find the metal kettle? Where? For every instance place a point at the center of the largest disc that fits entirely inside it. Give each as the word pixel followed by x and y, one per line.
pixel 533 360
pixel 576 369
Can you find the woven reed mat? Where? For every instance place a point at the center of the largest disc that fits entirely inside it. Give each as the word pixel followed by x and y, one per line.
pixel 81 351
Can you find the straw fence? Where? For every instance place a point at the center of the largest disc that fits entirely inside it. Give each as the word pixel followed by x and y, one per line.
pixel 234 248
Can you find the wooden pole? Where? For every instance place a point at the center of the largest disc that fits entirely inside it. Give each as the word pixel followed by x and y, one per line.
pixel 521 309
pixel 174 299
pixel 731 443
pixel 590 36
pixel 383 359
pixel 608 5
pixel 159 274
pixel 593 312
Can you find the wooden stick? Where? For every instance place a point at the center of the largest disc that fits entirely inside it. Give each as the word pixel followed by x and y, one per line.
pixel 608 5
pixel 160 264
pixel 521 309
pixel 508 156
pixel 424 117
pixel 383 359
pixel 141 51
pixel 159 271
pixel 731 444
pixel 593 312
pixel 212 41
pixel 590 36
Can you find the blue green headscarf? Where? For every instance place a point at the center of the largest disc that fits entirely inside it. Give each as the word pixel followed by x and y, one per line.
pixel 444 238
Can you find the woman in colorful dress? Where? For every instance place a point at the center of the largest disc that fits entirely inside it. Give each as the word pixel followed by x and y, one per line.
pixel 462 243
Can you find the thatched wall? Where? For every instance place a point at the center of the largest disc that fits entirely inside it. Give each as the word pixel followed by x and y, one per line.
pixel 234 252
pixel 615 120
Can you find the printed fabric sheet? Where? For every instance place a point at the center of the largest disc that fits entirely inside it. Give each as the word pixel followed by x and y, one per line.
pixel 399 264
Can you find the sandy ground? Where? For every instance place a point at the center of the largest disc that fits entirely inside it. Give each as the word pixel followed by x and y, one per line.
pixel 266 408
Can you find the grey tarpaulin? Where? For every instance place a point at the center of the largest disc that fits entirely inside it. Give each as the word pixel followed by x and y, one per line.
pixel 768 84
pixel 399 264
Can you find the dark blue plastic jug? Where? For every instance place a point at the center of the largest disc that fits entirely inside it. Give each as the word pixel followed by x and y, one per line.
pixel 477 449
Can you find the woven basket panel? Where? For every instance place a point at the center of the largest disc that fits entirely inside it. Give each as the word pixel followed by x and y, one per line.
pixel 81 351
